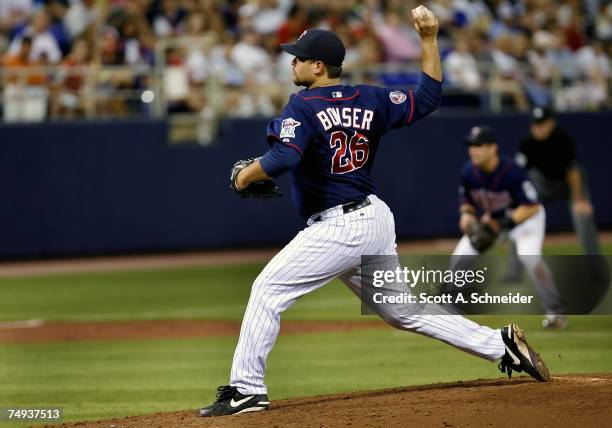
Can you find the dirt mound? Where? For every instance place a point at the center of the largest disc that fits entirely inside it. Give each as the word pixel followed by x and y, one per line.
pixel 568 401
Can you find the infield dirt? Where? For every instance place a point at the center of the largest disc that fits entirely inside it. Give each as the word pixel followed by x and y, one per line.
pixel 568 401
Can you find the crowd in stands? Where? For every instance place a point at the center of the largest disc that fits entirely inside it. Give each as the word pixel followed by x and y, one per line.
pixel 530 52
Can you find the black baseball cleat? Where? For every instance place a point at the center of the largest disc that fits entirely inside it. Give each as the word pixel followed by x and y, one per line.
pixel 231 402
pixel 520 356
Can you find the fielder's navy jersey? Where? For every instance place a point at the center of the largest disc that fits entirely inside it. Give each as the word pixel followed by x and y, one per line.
pixel 335 131
pixel 504 189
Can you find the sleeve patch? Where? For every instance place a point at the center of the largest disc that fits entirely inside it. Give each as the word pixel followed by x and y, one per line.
pixel 397 97
pixel 288 128
pixel 530 191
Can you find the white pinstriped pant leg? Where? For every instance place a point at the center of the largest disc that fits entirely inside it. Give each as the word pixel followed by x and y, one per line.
pixel 433 320
pixel 319 253
pixel 325 250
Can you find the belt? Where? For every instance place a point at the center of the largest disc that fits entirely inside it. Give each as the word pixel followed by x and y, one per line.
pixel 355 205
pixel 349 207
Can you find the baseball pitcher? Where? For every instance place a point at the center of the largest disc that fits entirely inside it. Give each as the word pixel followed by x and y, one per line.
pixel 326 138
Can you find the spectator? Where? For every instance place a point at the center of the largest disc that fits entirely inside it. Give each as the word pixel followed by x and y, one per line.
pixel 295 24
pixel 252 59
pixel 603 22
pixel 135 48
pixel 82 15
pixel 461 68
pixel 505 24
pixel 25 93
pixel 14 13
pixel 574 33
pixel 594 66
pixel 542 67
pixel 68 99
pixel 111 81
pixel 468 12
pixel 256 65
pixel 400 42
pixel 269 16
pixel 57 12
pixel 43 42
pixel 508 79
pixel 167 22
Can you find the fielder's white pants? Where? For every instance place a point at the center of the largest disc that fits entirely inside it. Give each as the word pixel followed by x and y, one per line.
pixel 326 249
pixel 528 237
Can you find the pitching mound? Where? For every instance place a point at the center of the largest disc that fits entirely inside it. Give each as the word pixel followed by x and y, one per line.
pixel 569 400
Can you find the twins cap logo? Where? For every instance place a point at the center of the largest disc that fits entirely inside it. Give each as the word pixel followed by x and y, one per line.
pixel 538 113
pixel 475 131
pixel 397 97
pixel 288 128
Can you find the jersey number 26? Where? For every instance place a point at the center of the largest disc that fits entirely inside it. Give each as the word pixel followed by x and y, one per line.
pixel 351 156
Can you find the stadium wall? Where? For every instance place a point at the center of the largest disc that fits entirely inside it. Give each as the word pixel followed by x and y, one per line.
pixel 115 187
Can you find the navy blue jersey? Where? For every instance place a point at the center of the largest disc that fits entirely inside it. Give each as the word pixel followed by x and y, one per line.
pixel 504 189
pixel 335 131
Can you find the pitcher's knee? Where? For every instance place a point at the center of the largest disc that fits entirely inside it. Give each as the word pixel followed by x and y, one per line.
pixel 398 320
pixel 261 292
pixel 268 295
pixel 259 283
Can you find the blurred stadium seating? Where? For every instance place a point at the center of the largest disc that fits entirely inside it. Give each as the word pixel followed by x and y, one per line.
pixel 195 61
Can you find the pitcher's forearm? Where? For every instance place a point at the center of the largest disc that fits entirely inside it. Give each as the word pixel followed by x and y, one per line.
pixel 431 59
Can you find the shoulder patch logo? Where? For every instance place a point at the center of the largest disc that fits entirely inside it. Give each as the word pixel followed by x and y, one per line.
pixel 397 97
pixel 336 94
pixel 288 128
pixel 530 191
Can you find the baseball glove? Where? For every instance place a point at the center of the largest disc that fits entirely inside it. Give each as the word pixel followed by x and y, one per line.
pixel 482 236
pixel 258 189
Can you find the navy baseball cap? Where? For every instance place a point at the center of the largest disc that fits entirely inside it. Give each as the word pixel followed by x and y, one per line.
pixel 540 114
pixel 322 45
pixel 480 135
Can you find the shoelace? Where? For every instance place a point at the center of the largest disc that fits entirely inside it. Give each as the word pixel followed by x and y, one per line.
pixel 505 367
pixel 225 391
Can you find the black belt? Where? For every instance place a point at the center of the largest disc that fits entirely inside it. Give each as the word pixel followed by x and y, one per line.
pixel 356 205
pixel 350 207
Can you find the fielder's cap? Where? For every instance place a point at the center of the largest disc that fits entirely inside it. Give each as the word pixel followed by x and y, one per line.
pixel 479 135
pixel 318 44
pixel 540 114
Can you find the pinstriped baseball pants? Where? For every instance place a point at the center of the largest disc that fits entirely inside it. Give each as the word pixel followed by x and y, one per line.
pixel 332 248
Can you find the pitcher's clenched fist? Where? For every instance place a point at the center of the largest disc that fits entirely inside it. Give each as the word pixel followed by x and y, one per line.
pixel 425 22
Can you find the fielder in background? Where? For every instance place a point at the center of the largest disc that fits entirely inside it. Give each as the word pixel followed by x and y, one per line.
pixel 549 155
pixel 496 196
pixel 327 137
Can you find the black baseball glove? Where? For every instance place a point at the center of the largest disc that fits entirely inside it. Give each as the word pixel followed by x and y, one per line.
pixel 258 189
pixel 482 236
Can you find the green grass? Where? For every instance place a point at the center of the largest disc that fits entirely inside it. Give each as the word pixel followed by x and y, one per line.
pixel 93 380
pixel 211 292
pixel 180 293
pixel 177 293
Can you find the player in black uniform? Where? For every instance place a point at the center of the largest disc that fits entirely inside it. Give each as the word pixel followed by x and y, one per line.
pixel 548 153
